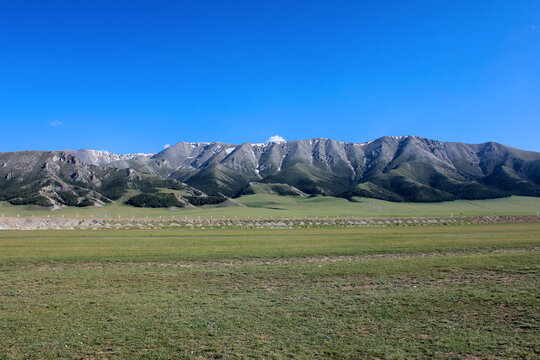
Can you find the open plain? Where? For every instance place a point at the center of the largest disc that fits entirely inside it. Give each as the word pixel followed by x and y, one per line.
pixel 433 291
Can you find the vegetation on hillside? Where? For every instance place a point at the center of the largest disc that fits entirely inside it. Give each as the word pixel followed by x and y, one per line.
pixel 154 200
pixel 205 200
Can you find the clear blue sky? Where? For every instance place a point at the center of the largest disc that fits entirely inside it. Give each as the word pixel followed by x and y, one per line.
pixel 131 76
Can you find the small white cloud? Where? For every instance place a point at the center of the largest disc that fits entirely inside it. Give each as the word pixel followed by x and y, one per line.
pixel 55 123
pixel 275 139
pixel 166 146
pixel 532 27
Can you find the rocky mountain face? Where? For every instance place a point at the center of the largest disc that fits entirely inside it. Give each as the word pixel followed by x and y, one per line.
pixel 58 178
pixel 406 168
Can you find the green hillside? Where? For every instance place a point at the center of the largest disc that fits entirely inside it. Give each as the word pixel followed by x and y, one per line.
pixel 266 205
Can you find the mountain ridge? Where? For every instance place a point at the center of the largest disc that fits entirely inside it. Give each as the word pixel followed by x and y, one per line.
pixel 396 168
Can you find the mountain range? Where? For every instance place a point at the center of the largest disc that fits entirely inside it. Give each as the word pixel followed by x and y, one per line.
pixel 395 168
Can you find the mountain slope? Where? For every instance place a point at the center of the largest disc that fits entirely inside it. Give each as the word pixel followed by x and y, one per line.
pixel 57 178
pixel 405 168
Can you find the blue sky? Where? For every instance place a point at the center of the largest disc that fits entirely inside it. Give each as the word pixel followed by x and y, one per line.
pixel 131 76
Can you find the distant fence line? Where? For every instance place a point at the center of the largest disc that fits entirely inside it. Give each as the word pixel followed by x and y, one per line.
pixel 36 223
pixel 211 217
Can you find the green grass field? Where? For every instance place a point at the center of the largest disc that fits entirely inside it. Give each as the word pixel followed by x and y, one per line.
pixel 267 205
pixel 395 293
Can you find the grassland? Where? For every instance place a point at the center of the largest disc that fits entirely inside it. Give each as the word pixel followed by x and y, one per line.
pixel 267 205
pixel 394 293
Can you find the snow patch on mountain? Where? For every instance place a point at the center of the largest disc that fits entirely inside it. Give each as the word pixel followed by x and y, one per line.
pixel 101 157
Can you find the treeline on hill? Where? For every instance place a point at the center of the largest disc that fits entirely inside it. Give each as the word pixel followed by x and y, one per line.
pixel 205 200
pixel 76 197
pixel 155 200
pixel 37 200
pixel 165 200
pixel 151 197
pixel 115 188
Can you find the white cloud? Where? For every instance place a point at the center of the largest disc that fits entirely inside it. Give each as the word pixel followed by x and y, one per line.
pixel 532 27
pixel 166 146
pixel 275 139
pixel 55 123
